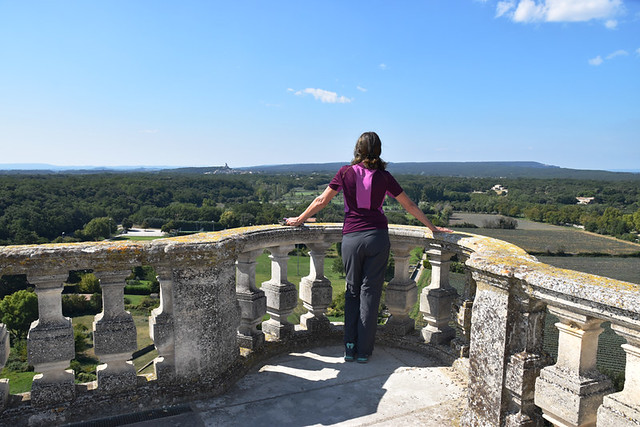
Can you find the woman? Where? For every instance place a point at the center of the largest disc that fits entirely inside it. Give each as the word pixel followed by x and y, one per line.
pixel 365 240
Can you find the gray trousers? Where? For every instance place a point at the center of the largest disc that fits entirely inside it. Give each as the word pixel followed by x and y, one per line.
pixel 365 255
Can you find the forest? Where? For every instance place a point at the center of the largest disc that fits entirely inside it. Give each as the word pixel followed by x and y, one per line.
pixel 42 208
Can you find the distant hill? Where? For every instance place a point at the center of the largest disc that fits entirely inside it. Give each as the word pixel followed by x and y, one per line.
pixel 457 169
pixel 463 169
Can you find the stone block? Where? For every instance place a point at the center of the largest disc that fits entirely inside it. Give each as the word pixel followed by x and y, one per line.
pixel 617 412
pixel 252 305
pixel 116 380
pixel 114 335
pixel 570 399
pixel 45 392
pixel 50 342
pixel 277 329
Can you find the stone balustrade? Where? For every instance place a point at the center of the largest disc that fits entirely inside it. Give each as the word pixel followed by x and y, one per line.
pixel 210 325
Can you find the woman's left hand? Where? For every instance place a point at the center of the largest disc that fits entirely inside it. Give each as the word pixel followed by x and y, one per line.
pixel 444 230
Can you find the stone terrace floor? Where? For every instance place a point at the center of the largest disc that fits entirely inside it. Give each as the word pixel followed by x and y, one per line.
pixel 317 387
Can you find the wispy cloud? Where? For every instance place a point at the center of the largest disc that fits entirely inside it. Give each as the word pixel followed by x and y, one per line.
pixel 618 53
pixel 599 60
pixel 382 66
pixel 560 10
pixel 322 95
pixel 638 51
pixel 149 131
pixel 596 61
pixel 361 89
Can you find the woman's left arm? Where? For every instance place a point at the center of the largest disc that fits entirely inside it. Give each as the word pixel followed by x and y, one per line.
pixel 316 206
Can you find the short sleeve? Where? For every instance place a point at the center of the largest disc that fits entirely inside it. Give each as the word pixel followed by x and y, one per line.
pixel 336 183
pixel 393 188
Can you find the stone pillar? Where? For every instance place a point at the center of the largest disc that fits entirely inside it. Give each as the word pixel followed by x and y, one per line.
pixel 505 355
pixel 401 294
pixel 436 299
pixel 315 291
pixel 462 311
pixel 623 409
pixel 527 358
pixel 4 356
pixel 50 345
pixel 282 295
pixel 114 336
pixel 252 301
pixel 571 391
pixel 161 327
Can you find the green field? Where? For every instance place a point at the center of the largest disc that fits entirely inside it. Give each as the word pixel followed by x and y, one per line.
pixel 537 237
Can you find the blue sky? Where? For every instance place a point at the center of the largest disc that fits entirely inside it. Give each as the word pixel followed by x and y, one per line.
pixel 198 83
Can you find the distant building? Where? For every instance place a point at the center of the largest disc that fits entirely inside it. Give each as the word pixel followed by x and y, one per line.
pixel 584 200
pixel 499 189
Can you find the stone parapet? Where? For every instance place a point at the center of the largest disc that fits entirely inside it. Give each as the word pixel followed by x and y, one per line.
pixel 207 328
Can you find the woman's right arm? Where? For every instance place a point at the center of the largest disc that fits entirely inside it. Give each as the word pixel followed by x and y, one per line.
pixel 414 210
pixel 316 206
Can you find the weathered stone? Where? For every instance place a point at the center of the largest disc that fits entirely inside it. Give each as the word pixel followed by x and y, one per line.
pixel 571 391
pixel 114 335
pixel 623 408
pixel 401 293
pixel 50 345
pixel 251 301
pixel 436 300
pixel 207 319
pixel 161 328
pixel 487 355
pixel 282 295
pixel 316 291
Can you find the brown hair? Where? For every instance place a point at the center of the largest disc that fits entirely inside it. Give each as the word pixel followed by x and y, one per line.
pixel 367 152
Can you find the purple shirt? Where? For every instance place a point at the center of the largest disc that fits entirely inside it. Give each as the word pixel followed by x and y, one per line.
pixel 364 191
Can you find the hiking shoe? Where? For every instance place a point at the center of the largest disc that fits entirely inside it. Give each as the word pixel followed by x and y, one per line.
pixel 362 359
pixel 349 352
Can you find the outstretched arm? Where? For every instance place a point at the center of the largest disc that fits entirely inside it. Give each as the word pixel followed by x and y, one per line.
pixel 414 210
pixel 316 206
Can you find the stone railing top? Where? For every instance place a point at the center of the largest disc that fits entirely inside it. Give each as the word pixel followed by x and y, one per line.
pixel 597 296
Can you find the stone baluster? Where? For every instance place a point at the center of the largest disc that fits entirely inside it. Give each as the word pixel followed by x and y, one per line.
pixel 526 358
pixel 462 310
pixel 623 409
pixel 436 299
pixel 315 291
pixel 282 295
pixel 161 327
pixel 50 345
pixel 252 301
pixel 401 294
pixel 4 356
pixel 114 336
pixel 571 391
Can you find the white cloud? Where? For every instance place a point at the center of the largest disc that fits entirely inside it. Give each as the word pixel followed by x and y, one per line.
pixel 361 89
pixel 617 53
pixel 529 11
pixel 324 96
pixel 596 61
pixel 149 131
pixel 504 7
pixel 560 10
pixel 383 66
pixel 638 51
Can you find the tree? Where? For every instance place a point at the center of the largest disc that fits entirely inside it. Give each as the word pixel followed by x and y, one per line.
pixel 98 229
pixel 127 223
pixel 18 310
pixel 89 284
